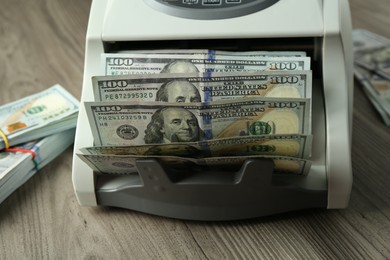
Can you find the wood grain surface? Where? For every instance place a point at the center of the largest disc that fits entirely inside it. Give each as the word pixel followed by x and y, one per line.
pixel 42 43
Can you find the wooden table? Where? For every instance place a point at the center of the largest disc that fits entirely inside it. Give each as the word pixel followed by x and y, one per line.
pixel 42 43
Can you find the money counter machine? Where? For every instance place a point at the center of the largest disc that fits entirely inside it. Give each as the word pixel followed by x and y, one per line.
pixel 321 28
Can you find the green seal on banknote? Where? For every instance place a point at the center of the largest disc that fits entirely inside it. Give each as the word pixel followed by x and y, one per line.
pixel 127 132
pixel 260 128
pixel 36 109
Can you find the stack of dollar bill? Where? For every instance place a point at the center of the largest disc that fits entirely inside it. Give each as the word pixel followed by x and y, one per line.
pixel 34 130
pixel 22 162
pixel 200 108
pixel 372 69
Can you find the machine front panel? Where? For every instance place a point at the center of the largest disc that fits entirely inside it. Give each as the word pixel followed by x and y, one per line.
pixel 140 20
pixel 209 9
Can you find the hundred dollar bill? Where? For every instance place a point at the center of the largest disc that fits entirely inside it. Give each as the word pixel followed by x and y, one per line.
pixel 44 113
pixel 202 87
pixel 121 123
pixel 126 164
pixel 372 51
pixel 378 87
pixel 213 53
pixel 137 63
pixel 283 145
pixel 366 40
pixel 378 107
pixel 377 90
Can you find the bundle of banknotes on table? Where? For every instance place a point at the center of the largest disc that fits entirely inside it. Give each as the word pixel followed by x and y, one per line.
pixel 200 109
pixel 33 131
pixel 372 69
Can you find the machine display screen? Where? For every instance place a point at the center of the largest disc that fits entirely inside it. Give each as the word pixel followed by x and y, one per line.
pixel 209 9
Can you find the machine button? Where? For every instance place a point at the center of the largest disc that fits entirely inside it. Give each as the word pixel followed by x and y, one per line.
pixel 190 2
pixel 233 1
pixel 211 2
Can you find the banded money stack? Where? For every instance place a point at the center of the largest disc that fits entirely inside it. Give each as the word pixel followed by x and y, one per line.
pixel 34 130
pixel 196 110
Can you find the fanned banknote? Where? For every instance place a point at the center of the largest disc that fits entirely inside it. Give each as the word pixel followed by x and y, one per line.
pixel 378 86
pixel 137 123
pixel 126 164
pixel 385 116
pixel 212 53
pixel 372 69
pixel 366 40
pixel 372 52
pixel 137 63
pixel 221 108
pixel 44 113
pixel 376 89
pixel 202 87
pixel 283 145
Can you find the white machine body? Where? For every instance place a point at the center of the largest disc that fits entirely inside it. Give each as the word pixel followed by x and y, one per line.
pixel 325 23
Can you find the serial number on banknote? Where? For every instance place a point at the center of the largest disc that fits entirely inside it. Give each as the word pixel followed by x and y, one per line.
pixel 122 117
pixel 120 96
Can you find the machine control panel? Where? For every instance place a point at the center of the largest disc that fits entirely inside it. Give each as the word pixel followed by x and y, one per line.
pixel 209 9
